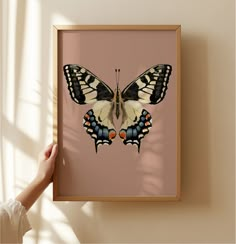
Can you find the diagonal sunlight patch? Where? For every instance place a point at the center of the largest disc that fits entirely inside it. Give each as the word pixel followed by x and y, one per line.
pixel 28 69
pixel 55 224
pixel 8 88
pixel 87 209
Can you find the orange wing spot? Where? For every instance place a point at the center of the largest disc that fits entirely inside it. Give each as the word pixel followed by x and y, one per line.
pixel 86 116
pixel 123 135
pixel 87 123
pixel 147 123
pixel 112 134
pixel 148 116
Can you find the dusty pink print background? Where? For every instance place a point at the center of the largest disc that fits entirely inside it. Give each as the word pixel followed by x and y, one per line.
pixel 117 170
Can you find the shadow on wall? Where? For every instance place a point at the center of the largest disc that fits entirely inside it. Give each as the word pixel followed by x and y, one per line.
pixel 195 121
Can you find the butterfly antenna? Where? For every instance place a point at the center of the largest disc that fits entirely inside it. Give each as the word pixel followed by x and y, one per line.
pixel 117 76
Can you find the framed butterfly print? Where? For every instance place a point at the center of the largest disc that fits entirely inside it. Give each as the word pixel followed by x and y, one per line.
pixel 117 113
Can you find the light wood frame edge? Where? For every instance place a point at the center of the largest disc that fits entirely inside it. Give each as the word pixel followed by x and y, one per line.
pixel 178 75
pixel 117 199
pixel 117 27
pixel 177 28
pixel 55 103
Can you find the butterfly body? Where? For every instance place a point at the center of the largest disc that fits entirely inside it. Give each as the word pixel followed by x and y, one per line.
pixel 118 101
pixel 148 88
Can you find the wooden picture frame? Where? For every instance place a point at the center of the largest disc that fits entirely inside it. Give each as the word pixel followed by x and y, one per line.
pixel 117 172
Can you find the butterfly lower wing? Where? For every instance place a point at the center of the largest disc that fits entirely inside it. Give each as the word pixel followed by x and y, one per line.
pixel 150 87
pixel 98 123
pixel 136 123
pixel 84 86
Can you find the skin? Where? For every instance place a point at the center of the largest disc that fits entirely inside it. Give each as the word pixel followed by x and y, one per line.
pixel 43 178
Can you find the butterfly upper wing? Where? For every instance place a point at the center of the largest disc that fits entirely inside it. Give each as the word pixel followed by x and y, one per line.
pixel 150 88
pixel 85 88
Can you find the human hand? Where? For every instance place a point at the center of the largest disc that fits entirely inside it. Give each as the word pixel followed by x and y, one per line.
pixel 46 161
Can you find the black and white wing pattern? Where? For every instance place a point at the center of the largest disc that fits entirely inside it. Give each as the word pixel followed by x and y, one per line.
pixel 149 88
pixel 86 88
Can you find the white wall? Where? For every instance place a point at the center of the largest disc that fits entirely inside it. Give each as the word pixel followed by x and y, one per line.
pixel 206 211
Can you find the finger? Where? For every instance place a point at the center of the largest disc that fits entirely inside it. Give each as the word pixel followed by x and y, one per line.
pixel 48 150
pixel 54 151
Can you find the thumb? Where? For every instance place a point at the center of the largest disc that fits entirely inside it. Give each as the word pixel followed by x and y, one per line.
pixel 54 151
pixel 47 152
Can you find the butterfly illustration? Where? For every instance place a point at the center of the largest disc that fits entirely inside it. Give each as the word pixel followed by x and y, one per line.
pixel 148 88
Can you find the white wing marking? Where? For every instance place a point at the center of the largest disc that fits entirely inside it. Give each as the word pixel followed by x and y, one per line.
pixel 148 90
pixel 144 97
pixel 94 84
pixel 91 97
pixel 141 84
pixel 103 111
pixel 131 110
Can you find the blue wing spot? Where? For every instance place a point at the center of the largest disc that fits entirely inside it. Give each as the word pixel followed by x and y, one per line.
pixel 100 132
pixel 135 133
pixel 141 124
pixel 138 128
pixel 144 112
pixel 90 112
pixel 94 124
pixel 129 132
pixel 105 132
pixel 142 119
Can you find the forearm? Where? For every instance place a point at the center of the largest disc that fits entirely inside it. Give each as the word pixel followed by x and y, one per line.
pixel 31 193
pixel 43 178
